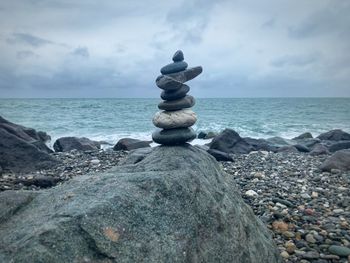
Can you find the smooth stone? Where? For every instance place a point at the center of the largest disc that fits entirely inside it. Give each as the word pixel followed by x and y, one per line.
pixel 173 136
pixel 339 251
pixel 176 94
pixel 178 56
pixel 187 102
pixel 174 67
pixel 168 83
pixel 187 74
pixel 174 119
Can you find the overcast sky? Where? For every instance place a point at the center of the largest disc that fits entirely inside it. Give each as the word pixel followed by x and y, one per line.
pixel 85 48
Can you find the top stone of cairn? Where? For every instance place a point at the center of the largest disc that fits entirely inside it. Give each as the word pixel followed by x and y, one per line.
pixel 178 56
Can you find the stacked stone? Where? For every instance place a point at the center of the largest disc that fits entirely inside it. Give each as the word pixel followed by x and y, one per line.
pixel 176 118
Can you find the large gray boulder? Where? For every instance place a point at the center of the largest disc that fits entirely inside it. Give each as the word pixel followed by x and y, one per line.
pixel 339 146
pixel 339 160
pixel 23 149
pixel 176 205
pixel 334 135
pixel 65 144
pixel 229 141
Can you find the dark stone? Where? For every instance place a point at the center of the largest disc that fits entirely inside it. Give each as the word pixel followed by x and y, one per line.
pixel 36 138
pixel 339 146
pixel 176 94
pixel 339 160
pixel 302 148
pixel 174 67
pixel 168 83
pixel 176 205
pixel 229 141
pixel 201 135
pixel 178 56
pixel 41 181
pixel 289 149
pixel 305 135
pixel 128 144
pixel 187 74
pixel 65 144
pixel 261 144
pixel 19 152
pixel 173 136
pixel 309 143
pixel 279 141
pixel 339 250
pixel 210 135
pixel 220 156
pixel 187 102
pixel 319 149
pixel 334 135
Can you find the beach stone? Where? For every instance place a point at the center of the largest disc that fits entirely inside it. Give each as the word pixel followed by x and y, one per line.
pixel 29 135
pixel 65 144
pixel 302 148
pixel 220 156
pixel 339 160
pixel 279 141
pixel 174 119
pixel 339 146
pixel 319 149
pixel 174 67
pixel 229 141
pixel 339 250
pixel 178 56
pixel 173 136
pixel 334 135
pixel 168 83
pixel 187 74
pixel 186 102
pixel 175 94
pixel 128 144
pixel 305 135
pixel 152 211
pixel 20 152
pixel 261 144
pixel 287 149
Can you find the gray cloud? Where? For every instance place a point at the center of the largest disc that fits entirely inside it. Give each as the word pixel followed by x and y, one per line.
pixel 28 39
pixel 25 54
pixel 246 49
pixel 81 51
pixel 331 19
pixel 296 60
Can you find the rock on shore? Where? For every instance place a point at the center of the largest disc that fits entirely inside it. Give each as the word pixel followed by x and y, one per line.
pixel 23 149
pixel 176 205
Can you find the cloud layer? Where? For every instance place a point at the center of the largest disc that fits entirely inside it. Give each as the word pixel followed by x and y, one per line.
pixel 111 48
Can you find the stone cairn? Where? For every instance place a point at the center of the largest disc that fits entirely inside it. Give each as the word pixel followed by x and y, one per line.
pixel 176 118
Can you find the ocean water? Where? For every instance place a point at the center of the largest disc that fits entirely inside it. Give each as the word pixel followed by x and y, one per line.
pixel 112 119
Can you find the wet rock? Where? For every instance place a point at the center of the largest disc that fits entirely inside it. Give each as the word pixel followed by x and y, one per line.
pixel 229 141
pixel 128 144
pixel 65 144
pixel 305 135
pixel 339 160
pixel 334 135
pixel 339 146
pixel 319 149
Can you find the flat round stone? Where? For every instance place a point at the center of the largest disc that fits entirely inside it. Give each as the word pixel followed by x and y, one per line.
pixel 173 136
pixel 176 94
pixel 178 56
pixel 174 67
pixel 186 102
pixel 168 83
pixel 187 74
pixel 174 119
